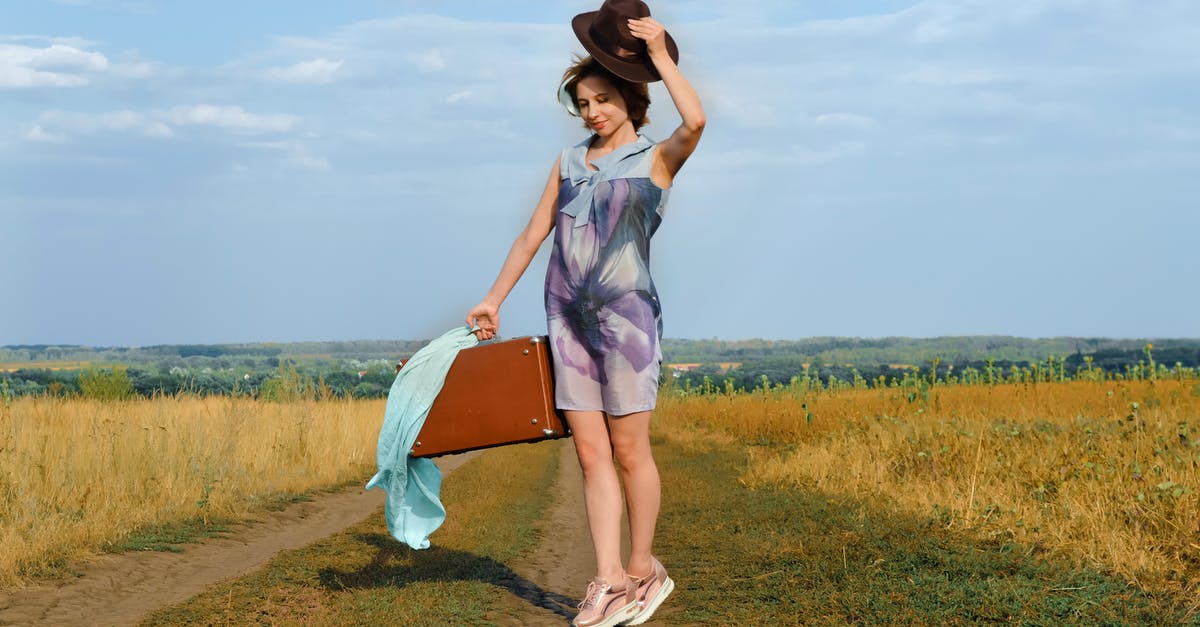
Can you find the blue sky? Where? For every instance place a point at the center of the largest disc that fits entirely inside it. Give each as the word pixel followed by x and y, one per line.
pixel 180 172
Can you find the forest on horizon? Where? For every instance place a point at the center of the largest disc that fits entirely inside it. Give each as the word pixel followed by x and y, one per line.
pixel 366 368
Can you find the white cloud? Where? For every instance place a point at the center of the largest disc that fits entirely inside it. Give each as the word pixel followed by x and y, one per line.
pixel 457 96
pixel 295 154
pixel 57 65
pixel 431 61
pixel 59 56
pixel 305 161
pixel 231 117
pixel 58 125
pixel 317 71
pixel 38 134
pixel 20 77
pixel 74 42
pixel 844 120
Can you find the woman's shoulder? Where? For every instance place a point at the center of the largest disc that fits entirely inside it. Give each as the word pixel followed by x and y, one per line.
pixel 573 157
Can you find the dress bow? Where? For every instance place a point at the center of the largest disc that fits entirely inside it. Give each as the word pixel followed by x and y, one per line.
pixel 580 206
pixel 586 179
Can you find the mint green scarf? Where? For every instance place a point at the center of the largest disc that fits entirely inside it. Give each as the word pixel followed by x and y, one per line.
pixel 413 510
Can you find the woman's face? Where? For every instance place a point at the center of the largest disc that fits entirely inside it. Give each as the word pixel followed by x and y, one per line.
pixel 600 105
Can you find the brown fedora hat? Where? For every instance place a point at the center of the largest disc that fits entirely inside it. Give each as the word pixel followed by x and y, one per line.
pixel 605 34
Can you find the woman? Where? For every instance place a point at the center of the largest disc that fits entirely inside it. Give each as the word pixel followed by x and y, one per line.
pixel 605 196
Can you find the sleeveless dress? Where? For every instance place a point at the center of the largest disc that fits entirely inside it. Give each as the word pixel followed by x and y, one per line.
pixel 602 309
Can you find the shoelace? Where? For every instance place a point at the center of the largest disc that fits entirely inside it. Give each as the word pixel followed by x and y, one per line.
pixel 595 591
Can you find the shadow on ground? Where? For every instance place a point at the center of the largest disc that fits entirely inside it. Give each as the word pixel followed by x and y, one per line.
pixel 395 565
pixel 362 576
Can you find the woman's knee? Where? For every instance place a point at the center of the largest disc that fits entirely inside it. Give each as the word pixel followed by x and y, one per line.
pixel 590 434
pixel 630 436
pixel 593 455
pixel 632 452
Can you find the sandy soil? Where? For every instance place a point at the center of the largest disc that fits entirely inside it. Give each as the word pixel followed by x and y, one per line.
pixel 120 589
pixel 554 576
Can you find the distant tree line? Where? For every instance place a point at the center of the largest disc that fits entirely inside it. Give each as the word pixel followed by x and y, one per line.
pixel 372 380
pixel 366 368
pixel 752 373
pixel 152 355
pixel 911 351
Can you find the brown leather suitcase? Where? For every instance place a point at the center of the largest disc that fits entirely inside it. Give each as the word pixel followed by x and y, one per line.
pixel 495 393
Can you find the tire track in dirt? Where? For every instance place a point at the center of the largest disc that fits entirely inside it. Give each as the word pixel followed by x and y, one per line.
pixel 559 569
pixel 120 589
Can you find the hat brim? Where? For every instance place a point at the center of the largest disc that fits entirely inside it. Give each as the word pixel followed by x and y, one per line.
pixel 565 99
pixel 628 70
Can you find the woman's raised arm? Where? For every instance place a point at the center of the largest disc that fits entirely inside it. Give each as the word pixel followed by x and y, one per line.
pixel 676 149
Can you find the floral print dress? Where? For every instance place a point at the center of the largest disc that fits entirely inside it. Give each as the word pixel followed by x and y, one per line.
pixel 601 306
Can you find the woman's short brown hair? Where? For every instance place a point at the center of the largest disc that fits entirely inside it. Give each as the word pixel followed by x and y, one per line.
pixel 635 95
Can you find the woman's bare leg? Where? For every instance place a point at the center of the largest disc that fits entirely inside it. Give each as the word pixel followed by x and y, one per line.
pixel 630 435
pixel 601 490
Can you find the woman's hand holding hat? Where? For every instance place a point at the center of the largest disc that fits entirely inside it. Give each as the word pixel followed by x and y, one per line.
pixel 608 36
pixel 650 31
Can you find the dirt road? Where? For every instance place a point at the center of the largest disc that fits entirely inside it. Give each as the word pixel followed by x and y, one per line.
pixel 563 563
pixel 120 589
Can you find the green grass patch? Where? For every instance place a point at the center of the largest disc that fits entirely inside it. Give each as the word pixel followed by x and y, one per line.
pixel 282 501
pixel 170 537
pixel 363 576
pixel 781 556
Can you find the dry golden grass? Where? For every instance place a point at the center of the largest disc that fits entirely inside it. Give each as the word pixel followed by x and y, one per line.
pixel 51 364
pixel 77 475
pixel 1104 473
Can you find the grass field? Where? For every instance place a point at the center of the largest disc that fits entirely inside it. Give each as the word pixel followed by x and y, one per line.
pixel 1039 502
pixel 1103 474
pixel 775 555
pixel 80 476
pixel 13 366
pixel 740 556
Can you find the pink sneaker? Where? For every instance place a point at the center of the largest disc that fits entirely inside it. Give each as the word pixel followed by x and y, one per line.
pixel 652 590
pixel 604 606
